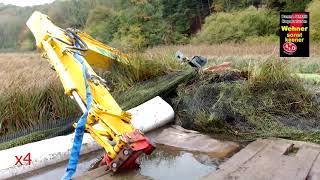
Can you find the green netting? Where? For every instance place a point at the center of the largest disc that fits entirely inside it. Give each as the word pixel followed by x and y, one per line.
pixel 130 98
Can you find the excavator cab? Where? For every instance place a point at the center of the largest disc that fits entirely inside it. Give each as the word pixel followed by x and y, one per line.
pixel 196 62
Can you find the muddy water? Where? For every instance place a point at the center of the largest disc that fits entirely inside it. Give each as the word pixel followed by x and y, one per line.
pixel 169 164
pixel 163 164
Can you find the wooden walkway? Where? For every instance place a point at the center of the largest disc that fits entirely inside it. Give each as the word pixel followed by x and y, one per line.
pixel 275 159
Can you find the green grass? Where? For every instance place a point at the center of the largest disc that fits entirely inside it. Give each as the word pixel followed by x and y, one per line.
pixel 312 78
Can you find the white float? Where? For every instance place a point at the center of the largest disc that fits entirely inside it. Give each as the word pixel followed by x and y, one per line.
pixel 151 114
pixel 146 117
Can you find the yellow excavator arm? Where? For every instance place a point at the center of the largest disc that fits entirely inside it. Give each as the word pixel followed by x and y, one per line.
pixel 71 53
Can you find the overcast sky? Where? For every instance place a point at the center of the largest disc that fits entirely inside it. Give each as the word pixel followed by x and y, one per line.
pixel 26 2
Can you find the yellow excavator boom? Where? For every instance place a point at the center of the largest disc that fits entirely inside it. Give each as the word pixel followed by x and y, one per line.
pixel 71 53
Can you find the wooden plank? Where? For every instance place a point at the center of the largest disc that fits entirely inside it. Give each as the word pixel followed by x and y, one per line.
pixel 194 141
pixel 263 164
pixel 268 159
pixel 314 173
pixel 245 154
pixel 238 159
pixel 298 166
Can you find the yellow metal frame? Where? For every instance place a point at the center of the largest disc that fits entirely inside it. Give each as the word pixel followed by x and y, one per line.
pixel 105 113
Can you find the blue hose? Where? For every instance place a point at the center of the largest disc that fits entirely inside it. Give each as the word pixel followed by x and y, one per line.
pixel 76 147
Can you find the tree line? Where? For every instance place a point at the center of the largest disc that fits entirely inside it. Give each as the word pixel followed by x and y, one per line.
pixel 137 24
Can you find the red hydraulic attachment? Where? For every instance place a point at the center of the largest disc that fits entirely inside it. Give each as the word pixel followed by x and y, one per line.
pixel 136 144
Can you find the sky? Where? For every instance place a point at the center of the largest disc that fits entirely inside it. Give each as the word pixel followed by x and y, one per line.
pixel 25 2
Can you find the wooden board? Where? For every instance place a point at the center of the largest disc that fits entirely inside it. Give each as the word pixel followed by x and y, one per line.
pixel 193 141
pixel 274 159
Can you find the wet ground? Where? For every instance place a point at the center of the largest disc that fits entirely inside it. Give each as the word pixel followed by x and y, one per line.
pixel 163 164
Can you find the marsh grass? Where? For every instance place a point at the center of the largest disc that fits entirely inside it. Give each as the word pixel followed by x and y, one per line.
pixel 268 101
pixel 140 67
pixel 31 99
pixel 24 71
pixel 21 109
pixel 244 55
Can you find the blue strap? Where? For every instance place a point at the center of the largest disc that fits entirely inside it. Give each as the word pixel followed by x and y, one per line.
pixel 75 151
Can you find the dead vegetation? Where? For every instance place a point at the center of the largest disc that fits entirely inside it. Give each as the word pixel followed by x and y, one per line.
pixel 217 50
pixel 22 71
pixel 224 50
